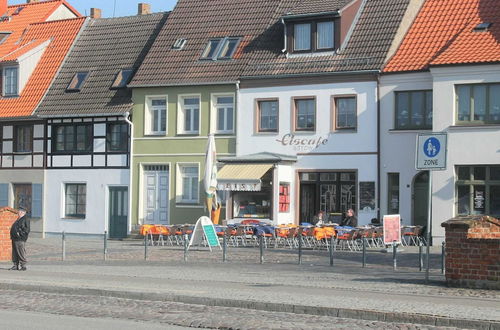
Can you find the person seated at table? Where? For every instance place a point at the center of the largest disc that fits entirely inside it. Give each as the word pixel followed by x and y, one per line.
pixel 319 218
pixel 350 220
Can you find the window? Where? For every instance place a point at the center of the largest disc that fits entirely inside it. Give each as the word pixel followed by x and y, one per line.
pixel 225 114
pixel 72 138
pixel 156 118
pixel 414 110
pixel 190 113
pixel 478 190
pixel 478 103
pixel 392 193
pixel 312 36
pixel 305 114
pixel 11 81
pixel 23 138
pixel 346 112
pixel 75 200
pixel 4 36
pixel 190 183
pixel 179 44
pixel 122 78
pixel 117 137
pixel 267 115
pixel 76 83
pixel 221 48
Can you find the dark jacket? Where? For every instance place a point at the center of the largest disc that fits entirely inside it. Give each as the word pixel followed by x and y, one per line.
pixel 351 221
pixel 20 229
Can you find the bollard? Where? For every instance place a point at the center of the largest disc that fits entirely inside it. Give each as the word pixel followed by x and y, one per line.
pixel 146 246
pixel 105 245
pixel 420 257
pixel 63 257
pixel 300 247
pixel 364 252
pixel 443 257
pixel 332 249
pixel 186 244
pixel 224 247
pixel 394 251
pixel 261 247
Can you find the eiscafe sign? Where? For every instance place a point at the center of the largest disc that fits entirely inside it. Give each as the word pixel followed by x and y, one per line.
pixel 302 144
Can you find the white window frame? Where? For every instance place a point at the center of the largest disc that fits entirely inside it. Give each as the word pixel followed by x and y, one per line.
pixel 181 114
pixel 4 80
pixel 215 113
pixel 63 204
pixel 179 184
pixel 148 114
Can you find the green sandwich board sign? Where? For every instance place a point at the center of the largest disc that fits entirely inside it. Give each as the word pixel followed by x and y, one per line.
pixel 204 228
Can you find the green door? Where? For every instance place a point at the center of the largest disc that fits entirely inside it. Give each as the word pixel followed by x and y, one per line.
pixel 118 210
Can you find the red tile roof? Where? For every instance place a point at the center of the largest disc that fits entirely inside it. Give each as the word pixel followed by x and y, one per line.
pixel 20 51
pixel 62 34
pixel 34 12
pixel 443 33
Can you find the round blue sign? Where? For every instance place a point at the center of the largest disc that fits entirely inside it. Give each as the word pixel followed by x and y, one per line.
pixel 432 147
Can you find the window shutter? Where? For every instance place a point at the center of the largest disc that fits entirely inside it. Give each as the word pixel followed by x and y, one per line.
pixel 4 194
pixel 36 200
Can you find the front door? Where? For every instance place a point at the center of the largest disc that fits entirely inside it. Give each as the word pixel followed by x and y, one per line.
pixel 420 199
pixel 22 197
pixel 156 193
pixel 118 211
pixel 307 202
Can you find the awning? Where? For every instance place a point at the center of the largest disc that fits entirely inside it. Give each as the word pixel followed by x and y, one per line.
pixel 242 177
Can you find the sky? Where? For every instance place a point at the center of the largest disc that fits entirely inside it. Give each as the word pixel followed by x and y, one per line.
pixel 123 7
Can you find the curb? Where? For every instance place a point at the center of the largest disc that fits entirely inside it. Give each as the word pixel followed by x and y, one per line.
pixel 358 314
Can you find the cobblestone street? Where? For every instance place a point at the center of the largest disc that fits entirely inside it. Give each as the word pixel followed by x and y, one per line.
pixel 186 315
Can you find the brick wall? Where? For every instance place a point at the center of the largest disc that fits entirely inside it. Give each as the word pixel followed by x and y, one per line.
pixel 473 252
pixel 7 218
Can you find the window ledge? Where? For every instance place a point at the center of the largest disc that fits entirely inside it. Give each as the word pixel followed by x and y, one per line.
pixel 188 134
pixel 304 132
pixel 344 131
pixel 265 133
pixel 416 130
pixel 72 218
pixel 22 152
pixel 163 134
pixel 468 126
pixel 224 134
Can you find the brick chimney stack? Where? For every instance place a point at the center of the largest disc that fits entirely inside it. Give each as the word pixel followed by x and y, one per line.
pixel 3 7
pixel 31 1
pixel 143 9
pixel 95 13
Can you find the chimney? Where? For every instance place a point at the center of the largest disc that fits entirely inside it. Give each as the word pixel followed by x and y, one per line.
pixel 3 7
pixel 143 9
pixel 31 1
pixel 95 13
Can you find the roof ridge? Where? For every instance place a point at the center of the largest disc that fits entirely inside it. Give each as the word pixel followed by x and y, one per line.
pixel 57 21
pixel 33 3
pixel 132 16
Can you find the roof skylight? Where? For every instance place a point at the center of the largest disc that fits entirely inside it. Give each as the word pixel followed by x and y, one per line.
pixel 221 48
pixel 77 81
pixel 122 78
pixel 179 44
pixel 4 36
pixel 482 27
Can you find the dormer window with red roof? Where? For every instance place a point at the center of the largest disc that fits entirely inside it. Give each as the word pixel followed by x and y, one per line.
pixel 311 36
pixel 10 81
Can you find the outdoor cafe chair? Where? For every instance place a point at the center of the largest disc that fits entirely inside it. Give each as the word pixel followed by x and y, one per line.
pixel 147 231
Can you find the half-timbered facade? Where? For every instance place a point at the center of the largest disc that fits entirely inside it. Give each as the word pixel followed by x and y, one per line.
pixel 87 111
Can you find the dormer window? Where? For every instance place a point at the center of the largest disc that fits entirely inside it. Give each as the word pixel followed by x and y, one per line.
pixel 221 48
pixel 311 36
pixel 77 82
pixel 11 81
pixel 122 78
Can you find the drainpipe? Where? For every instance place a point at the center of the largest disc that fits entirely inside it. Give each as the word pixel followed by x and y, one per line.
pixel 284 28
pixel 237 114
pixel 126 116
pixel 378 146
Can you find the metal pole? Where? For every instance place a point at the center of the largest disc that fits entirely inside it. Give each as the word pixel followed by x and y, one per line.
pixel 332 249
pixel 443 257
pixel 261 247
pixel 300 246
pixel 420 257
pixel 224 247
pixel 364 252
pixel 105 245
pixel 186 247
pixel 429 230
pixel 394 251
pixel 146 246
pixel 63 246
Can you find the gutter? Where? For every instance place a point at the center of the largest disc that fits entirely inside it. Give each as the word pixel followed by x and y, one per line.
pixel 85 115
pixel 336 73
pixel 126 116
pixel 320 14
pixel 208 83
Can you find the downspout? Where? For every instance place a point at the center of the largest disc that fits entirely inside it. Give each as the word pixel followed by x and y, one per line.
pixel 284 27
pixel 378 146
pixel 237 114
pixel 126 116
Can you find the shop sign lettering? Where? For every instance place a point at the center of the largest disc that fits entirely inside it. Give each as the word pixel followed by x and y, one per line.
pixel 301 144
pixel 239 186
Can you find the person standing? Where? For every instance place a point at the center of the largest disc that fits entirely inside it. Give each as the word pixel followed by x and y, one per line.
pixel 19 235
pixel 350 220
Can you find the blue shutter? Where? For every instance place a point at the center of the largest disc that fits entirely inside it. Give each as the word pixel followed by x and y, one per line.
pixel 4 194
pixel 36 200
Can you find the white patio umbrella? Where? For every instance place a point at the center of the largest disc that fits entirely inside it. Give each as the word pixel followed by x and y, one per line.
pixel 210 179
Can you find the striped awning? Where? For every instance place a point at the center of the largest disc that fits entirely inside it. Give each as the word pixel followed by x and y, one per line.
pixel 242 177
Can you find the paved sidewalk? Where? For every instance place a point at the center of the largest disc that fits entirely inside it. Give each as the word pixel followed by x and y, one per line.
pixel 280 285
